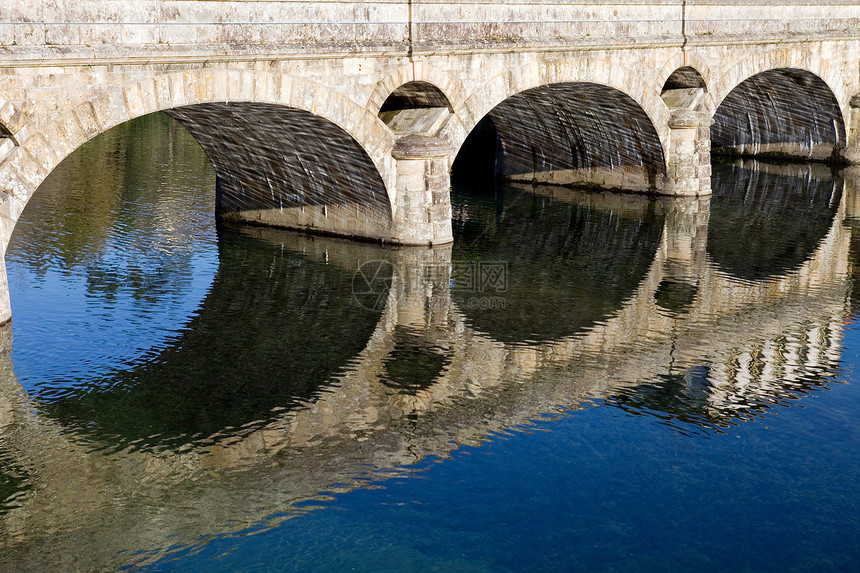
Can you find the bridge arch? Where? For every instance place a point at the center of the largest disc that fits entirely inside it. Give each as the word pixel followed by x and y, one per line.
pixel 771 83
pixel 25 169
pixel 693 63
pixel 448 85
pixel 534 75
pixel 568 133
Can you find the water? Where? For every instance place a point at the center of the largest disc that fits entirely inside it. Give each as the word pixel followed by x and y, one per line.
pixel 583 381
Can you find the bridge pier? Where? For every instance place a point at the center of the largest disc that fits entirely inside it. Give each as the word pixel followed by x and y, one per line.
pixel 852 147
pixel 422 210
pixel 688 169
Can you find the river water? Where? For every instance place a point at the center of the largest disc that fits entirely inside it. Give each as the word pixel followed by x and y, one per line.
pixel 582 381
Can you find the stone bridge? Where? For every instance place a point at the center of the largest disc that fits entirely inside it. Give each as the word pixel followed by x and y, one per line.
pixel 349 118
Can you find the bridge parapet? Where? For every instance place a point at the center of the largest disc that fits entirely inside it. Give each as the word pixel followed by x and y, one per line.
pixel 99 28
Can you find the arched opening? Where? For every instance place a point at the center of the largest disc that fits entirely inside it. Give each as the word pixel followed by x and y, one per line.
pixel 289 168
pixel 416 108
pixel 686 77
pixel 415 95
pixel 139 319
pixel 582 250
pixel 784 113
pixel 685 88
pixel 576 134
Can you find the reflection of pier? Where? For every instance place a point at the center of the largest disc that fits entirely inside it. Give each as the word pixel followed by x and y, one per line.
pixel 731 347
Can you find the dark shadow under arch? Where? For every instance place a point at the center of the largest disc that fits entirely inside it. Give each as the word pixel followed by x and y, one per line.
pixel 415 95
pixel 567 133
pixel 686 77
pixel 780 113
pixel 287 167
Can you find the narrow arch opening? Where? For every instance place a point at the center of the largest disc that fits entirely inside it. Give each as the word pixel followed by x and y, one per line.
pixel 416 108
pixel 415 95
pixel 783 113
pixel 575 134
pixel 685 88
pixel 686 77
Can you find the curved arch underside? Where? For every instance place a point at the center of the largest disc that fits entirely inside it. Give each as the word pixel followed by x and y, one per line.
pixel 783 113
pixel 289 168
pixel 569 134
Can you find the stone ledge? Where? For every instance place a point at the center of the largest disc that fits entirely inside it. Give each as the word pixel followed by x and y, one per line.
pixel 421 147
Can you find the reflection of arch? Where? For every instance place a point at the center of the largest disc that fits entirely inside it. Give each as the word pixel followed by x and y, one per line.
pixel 583 273
pixel 534 75
pixel 281 304
pixel 22 173
pixel 761 115
pixel 768 220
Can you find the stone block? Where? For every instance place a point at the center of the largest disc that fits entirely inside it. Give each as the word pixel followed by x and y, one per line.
pixel 134 101
pixel 40 150
pixel 110 108
pixel 20 175
pixel 178 97
pixel 87 120
pixel 161 91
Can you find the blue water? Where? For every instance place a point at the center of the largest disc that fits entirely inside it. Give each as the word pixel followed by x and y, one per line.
pixel 148 342
pixel 595 489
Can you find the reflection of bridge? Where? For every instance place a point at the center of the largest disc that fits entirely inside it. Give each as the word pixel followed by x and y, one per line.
pixel 346 117
pixel 753 343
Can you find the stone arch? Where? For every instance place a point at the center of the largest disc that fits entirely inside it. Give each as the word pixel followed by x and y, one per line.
pixel 567 133
pixel 24 169
pixel 533 75
pixel 792 58
pixel 698 64
pixel 761 116
pixel 416 72
pixel 416 108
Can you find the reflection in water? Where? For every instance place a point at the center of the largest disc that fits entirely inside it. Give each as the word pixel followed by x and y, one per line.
pixel 571 257
pixel 768 219
pixel 256 389
pixel 275 326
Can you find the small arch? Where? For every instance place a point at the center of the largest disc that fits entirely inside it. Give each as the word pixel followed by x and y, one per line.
pixel 781 113
pixel 685 88
pixel 685 77
pixel 416 107
pixel 424 74
pixel 415 95
pixel 577 133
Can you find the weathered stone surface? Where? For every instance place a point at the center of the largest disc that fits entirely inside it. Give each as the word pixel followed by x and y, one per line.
pixel 597 70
